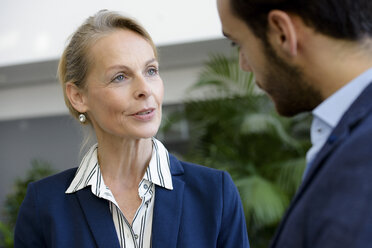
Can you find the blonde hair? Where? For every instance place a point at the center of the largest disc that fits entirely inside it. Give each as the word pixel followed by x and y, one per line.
pixel 74 63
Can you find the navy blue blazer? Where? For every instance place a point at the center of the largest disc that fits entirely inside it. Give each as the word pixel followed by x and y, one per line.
pixel 333 206
pixel 203 210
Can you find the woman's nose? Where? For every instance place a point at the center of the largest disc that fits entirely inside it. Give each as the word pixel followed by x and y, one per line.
pixel 142 88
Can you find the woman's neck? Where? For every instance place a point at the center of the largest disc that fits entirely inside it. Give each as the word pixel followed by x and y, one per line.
pixel 124 161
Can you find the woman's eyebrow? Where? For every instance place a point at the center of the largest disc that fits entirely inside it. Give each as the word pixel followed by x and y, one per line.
pixel 151 61
pixel 118 67
pixel 126 68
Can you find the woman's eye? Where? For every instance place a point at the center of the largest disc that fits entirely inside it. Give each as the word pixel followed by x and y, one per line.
pixel 152 71
pixel 119 78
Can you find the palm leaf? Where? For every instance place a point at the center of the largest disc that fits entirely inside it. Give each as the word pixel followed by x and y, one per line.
pixel 262 123
pixel 290 174
pixel 224 76
pixel 264 202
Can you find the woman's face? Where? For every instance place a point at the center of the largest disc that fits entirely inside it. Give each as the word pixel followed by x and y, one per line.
pixel 124 91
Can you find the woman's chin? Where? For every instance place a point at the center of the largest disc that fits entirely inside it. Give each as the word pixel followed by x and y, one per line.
pixel 146 134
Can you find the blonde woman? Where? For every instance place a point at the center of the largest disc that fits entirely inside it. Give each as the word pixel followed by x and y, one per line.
pixel 128 190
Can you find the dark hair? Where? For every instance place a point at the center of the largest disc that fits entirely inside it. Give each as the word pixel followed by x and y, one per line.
pixel 342 19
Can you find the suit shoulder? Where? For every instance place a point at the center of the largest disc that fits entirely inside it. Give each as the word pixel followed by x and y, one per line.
pixel 200 169
pixel 198 173
pixel 360 135
pixel 191 167
pixel 59 181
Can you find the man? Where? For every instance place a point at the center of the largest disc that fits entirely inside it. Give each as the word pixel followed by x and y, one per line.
pixel 316 55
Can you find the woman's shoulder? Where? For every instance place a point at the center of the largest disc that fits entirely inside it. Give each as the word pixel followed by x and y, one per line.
pixel 198 173
pixel 56 182
pixel 206 183
pixel 184 166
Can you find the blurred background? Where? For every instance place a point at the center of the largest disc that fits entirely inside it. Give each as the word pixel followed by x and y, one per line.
pixel 213 113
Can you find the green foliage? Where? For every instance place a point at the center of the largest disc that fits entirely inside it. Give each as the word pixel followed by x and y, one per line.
pixel 6 238
pixel 236 128
pixel 39 169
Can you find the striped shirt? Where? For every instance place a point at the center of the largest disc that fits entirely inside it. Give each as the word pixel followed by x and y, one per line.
pixel 137 235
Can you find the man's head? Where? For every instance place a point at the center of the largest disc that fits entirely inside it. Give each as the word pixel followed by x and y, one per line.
pixel 273 39
pixel 341 19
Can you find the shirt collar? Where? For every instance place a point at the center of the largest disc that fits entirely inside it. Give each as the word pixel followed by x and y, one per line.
pixel 88 173
pixel 333 108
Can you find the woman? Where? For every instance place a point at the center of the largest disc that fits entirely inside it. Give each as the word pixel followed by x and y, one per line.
pixel 128 191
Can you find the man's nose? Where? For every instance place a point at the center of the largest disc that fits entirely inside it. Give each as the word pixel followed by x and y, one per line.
pixel 243 63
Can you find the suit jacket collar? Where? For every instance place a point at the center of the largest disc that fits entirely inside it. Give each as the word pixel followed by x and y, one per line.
pixel 357 112
pixel 99 219
pixel 168 209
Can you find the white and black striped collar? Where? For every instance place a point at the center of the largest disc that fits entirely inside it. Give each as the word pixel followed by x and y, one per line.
pixel 88 173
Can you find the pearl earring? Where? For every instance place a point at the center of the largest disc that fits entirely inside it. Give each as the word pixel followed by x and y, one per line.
pixel 82 118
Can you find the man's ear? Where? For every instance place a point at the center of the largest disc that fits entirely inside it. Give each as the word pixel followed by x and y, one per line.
pixel 282 33
pixel 76 97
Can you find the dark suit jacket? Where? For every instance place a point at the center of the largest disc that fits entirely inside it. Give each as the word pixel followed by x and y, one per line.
pixel 203 210
pixel 333 206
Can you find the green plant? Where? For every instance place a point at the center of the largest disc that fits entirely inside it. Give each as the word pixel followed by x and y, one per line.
pixel 39 169
pixel 236 128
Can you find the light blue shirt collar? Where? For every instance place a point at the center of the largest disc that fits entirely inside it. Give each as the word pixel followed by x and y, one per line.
pixel 333 108
pixel 328 114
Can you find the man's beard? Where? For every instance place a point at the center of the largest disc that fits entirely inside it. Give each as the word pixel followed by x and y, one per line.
pixel 287 86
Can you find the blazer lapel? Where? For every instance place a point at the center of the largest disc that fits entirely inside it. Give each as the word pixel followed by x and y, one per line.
pixel 168 209
pixel 99 219
pixel 358 110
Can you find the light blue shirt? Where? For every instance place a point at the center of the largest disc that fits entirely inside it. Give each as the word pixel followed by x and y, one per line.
pixel 330 111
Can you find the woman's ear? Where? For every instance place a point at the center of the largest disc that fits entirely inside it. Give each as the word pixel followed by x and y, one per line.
pixel 282 32
pixel 76 97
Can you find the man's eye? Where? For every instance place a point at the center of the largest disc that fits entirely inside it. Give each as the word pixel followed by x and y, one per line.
pixel 235 45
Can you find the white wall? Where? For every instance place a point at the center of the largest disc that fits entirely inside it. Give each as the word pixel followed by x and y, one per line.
pixel 37 30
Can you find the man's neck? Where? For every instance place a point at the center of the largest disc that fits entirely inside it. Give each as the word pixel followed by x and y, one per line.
pixel 332 63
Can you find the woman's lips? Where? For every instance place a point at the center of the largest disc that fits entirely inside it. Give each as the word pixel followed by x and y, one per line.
pixel 144 115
